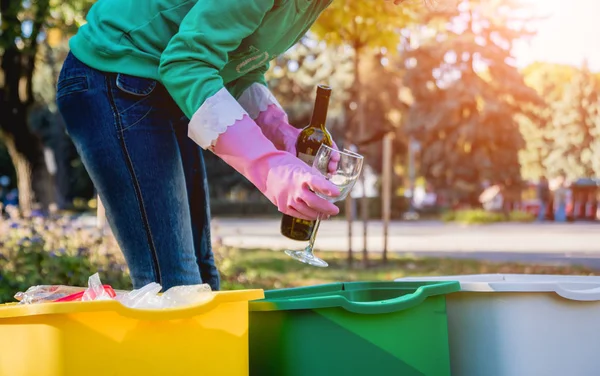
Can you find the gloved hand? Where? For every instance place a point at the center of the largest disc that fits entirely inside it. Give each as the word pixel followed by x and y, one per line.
pixel 284 179
pixel 273 122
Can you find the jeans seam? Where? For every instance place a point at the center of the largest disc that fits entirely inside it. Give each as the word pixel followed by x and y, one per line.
pixel 135 182
pixel 137 103
pixel 123 129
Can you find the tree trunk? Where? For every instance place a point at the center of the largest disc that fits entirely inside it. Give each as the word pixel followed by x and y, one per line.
pixel 386 190
pixel 16 98
pixel 100 214
pixel 43 180
pixel 349 202
pixel 349 218
pixel 34 182
pixel 23 169
pixel 361 136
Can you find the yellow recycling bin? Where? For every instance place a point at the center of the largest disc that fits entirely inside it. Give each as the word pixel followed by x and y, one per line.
pixel 107 338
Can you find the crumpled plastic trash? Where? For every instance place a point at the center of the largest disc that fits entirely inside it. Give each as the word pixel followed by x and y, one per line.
pixel 46 293
pixel 147 297
pixel 95 290
pixel 61 293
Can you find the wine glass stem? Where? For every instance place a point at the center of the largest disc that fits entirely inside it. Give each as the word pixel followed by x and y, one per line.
pixel 313 236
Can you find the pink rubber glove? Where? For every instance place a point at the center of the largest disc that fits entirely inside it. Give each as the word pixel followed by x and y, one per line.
pixel 273 122
pixel 274 125
pixel 284 179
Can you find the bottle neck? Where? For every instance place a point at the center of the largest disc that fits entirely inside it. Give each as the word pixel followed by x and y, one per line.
pixel 319 116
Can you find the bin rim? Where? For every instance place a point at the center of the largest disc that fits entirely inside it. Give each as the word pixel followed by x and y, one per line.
pixel 325 296
pixel 572 287
pixel 14 310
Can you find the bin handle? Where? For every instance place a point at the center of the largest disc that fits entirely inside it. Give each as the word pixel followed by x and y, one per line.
pixel 377 307
pixel 591 294
pixel 398 303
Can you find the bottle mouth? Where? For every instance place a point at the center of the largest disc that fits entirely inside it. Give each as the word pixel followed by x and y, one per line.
pixel 323 90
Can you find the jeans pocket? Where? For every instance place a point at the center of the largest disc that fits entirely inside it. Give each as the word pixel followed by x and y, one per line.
pixel 133 98
pixel 71 85
pixel 137 86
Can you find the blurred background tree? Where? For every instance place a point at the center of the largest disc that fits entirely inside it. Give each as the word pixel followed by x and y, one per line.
pixel 294 76
pixel 565 139
pixel 31 129
pixel 549 80
pixel 367 28
pixel 467 95
pixel 576 128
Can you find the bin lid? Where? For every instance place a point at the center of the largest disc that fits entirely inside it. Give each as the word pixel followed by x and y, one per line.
pixel 356 297
pixel 581 288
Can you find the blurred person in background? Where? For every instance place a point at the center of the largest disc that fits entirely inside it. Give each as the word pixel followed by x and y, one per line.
pixel 492 198
pixel 543 196
pixel 425 198
pixel 560 199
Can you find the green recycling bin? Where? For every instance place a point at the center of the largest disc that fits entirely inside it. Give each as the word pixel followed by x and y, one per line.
pixel 355 328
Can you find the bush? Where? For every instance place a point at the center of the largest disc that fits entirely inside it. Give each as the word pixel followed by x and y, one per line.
pixel 479 216
pixel 55 252
pixel 226 208
pixel 521 216
pixel 60 251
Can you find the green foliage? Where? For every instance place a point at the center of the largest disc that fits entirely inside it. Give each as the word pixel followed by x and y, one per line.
pixel 521 216
pixel 362 24
pixel 565 136
pixel 263 208
pixel 55 252
pixel 479 216
pixel 383 108
pixel 576 128
pixel 293 78
pixel 549 81
pixel 372 30
pixel 248 208
pixel 69 15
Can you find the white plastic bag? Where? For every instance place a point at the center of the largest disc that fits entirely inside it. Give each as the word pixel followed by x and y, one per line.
pixel 148 298
pixel 95 290
pixel 185 295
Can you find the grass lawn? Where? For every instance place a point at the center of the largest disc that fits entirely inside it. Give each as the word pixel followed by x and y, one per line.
pixel 267 269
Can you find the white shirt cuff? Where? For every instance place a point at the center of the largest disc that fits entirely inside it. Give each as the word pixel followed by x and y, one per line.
pixel 213 118
pixel 256 99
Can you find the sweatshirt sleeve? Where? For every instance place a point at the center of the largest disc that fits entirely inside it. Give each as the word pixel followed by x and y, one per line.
pixel 190 65
pixel 253 93
pixel 256 76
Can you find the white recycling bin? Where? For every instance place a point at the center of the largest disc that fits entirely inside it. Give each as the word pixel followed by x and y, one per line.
pixel 523 325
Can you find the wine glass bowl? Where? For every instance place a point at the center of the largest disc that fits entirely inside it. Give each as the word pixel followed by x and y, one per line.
pixel 341 168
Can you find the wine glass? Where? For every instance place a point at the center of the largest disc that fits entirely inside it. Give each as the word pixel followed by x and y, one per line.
pixel 342 168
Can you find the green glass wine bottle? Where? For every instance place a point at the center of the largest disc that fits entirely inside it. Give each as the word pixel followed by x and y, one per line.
pixel 309 141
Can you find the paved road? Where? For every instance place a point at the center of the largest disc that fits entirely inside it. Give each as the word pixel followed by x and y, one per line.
pixel 577 243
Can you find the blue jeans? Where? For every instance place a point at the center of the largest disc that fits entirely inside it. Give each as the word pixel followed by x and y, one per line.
pixel 560 213
pixel 132 139
pixel 542 212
